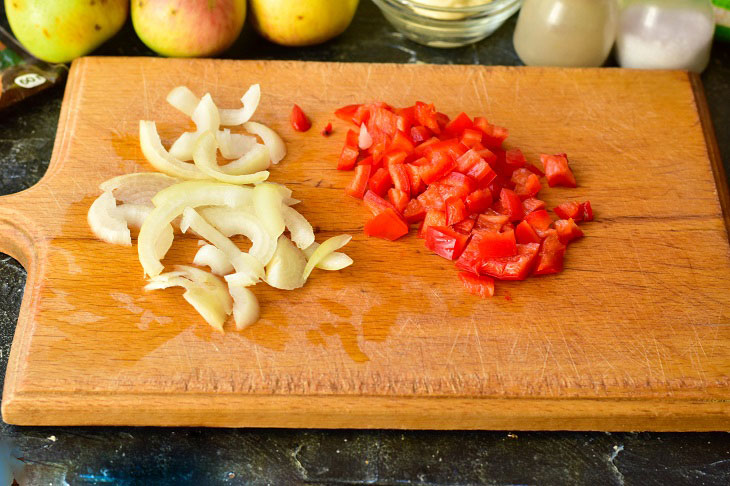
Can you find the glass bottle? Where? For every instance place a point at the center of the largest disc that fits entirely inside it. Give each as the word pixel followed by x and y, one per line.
pixel 665 34
pixel 566 32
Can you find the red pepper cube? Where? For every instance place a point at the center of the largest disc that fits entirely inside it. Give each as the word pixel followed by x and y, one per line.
pixel 420 134
pixel 568 210
pixel 567 230
pixel 299 120
pixel 587 211
pixel 531 204
pixel 359 183
pixel 401 142
pixel 455 211
pixel 524 233
pixel 491 220
pixel 482 173
pixel 445 242
pixel 515 159
pixel 376 204
pixel 414 212
pixel 426 116
pixel 557 170
pixel 479 201
pixel 526 183
pixel 400 177
pixel 516 267
pixel 352 139
pixel 346 113
pixel 456 127
pixel 431 199
pixel 415 183
pixel 550 256
pixel 540 219
pixel 468 160
pixel 366 161
pixel 493 135
pixel 398 199
pixel 348 158
pixel 535 170
pixel 433 218
pixel 512 204
pixel 465 226
pixel 394 158
pixel 471 137
pixel 423 147
pixel 479 285
pixel 380 182
pixel 327 130
pixel 440 166
pixel 495 245
pixel 387 225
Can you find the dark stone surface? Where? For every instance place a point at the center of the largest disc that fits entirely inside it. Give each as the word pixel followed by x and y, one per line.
pixel 164 456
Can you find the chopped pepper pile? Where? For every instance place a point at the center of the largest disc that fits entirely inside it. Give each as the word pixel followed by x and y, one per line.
pixel 475 202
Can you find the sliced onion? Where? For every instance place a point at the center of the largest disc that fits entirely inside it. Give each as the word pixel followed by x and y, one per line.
pixel 134 214
pixel 171 202
pixel 206 118
pixel 287 266
pixel 211 256
pixel 333 262
pixel 164 242
pixel 234 145
pixel 238 221
pixel 205 292
pixel 364 140
pixel 301 231
pixel 329 246
pixel 137 188
pixel 250 101
pixel 246 309
pixel 160 158
pixel 183 100
pixel 267 203
pixel 106 222
pixel 255 160
pixel 205 159
pixel 182 148
pixel 243 263
pixel 271 139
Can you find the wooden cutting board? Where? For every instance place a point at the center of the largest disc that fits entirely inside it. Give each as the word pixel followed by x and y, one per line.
pixel 634 335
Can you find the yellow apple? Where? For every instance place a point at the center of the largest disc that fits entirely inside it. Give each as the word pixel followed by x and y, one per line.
pixel 301 22
pixel 62 30
pixel 188 28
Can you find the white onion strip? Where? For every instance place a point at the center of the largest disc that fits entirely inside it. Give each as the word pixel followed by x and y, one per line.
pixel 182 99
pixel 206 118
pixel 238 221
pixel 329 246
pixel 204 156
pixel 255 160
pixel 234 145
pixel 277 149
pixel 301 230
pixel 160 158
pixel 106 222
pixel 137 188
pixel 286 267
pixel 211 256
pixel 267 202
pixel 246 310
pixel 332 262
pixel 250 101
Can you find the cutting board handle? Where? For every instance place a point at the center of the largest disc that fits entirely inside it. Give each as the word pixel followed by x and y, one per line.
pixel 18 233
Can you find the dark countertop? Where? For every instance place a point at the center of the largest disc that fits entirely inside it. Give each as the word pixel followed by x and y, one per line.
pixel 165 456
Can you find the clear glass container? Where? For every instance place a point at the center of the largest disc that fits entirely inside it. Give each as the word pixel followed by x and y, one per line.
pixel 665 34
pixel 447 23
pixel 577 33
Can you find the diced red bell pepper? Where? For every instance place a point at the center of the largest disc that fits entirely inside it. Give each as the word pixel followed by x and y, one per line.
pixel 387 225
pixel 380 182
pixel 422 148
pixel 557 170
pixel 531 204
pixel 431 198
pixel 442 119
pixel 366 161
pixel 481 286
pixel 448 192
pixel 377 151
pixel 398 198
pixel 524 233
pixel 457 179
pixel 377 204
pixel 495 245
pixel 587 211
pixel 490 220
pixel 526 183
pixel 535 170
pixel 420 134
pixel 471 137
pixel 327 130
pixel 401 142
pixel 479 201
pixel 451 147
pixel 433 218
pixel 455 211
pixel 403 124
pixel 400 177
pixel 550 257
pixel 416 184
pixel 471 258
pixel 352 139
pixel 438 168
pixel 346 113
pixel 465 226
pixel 391 158
pixel 574 210
pixel 382 123
pixel 512 204
pixel 409 114
pixel 348 158
pixel 515 267
pixel 426 116
pixel 445 242
pixel 494 135
pixel 359 183
pixel 515 159
pixel 567 230
pixel 467 161
pixel 456 127
pixel 414 212
pixel 482 173
pixel 299 120
pixel 539 219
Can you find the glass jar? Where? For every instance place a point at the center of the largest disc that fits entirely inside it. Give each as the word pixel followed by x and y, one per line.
pixel 665 34
pixel 576 33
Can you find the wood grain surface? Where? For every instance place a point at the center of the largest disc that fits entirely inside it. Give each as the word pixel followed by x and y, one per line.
pixel 634 335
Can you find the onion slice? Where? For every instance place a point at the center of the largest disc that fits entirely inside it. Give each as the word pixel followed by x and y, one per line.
pixel 332 262
pixel 301 230
pixel 204 156
pixel 250 101
pixel 211 256
pixel 171 202
pixel 277 149
pixel 246 266
pixel 137 188
pixel 234 145
pixel 206 118
pixel 238 221
pixel 204 291
pixel 106 222
pixel 255 160
pixel 182 99
pixel 267 202
pixel 286 267
pixel 246 310
pixel 329 246
pixel 364 140
pixel 160 158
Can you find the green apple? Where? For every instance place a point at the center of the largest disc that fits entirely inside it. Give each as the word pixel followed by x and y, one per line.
pixel 62 30
pixel 301 22
pixel 188 28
